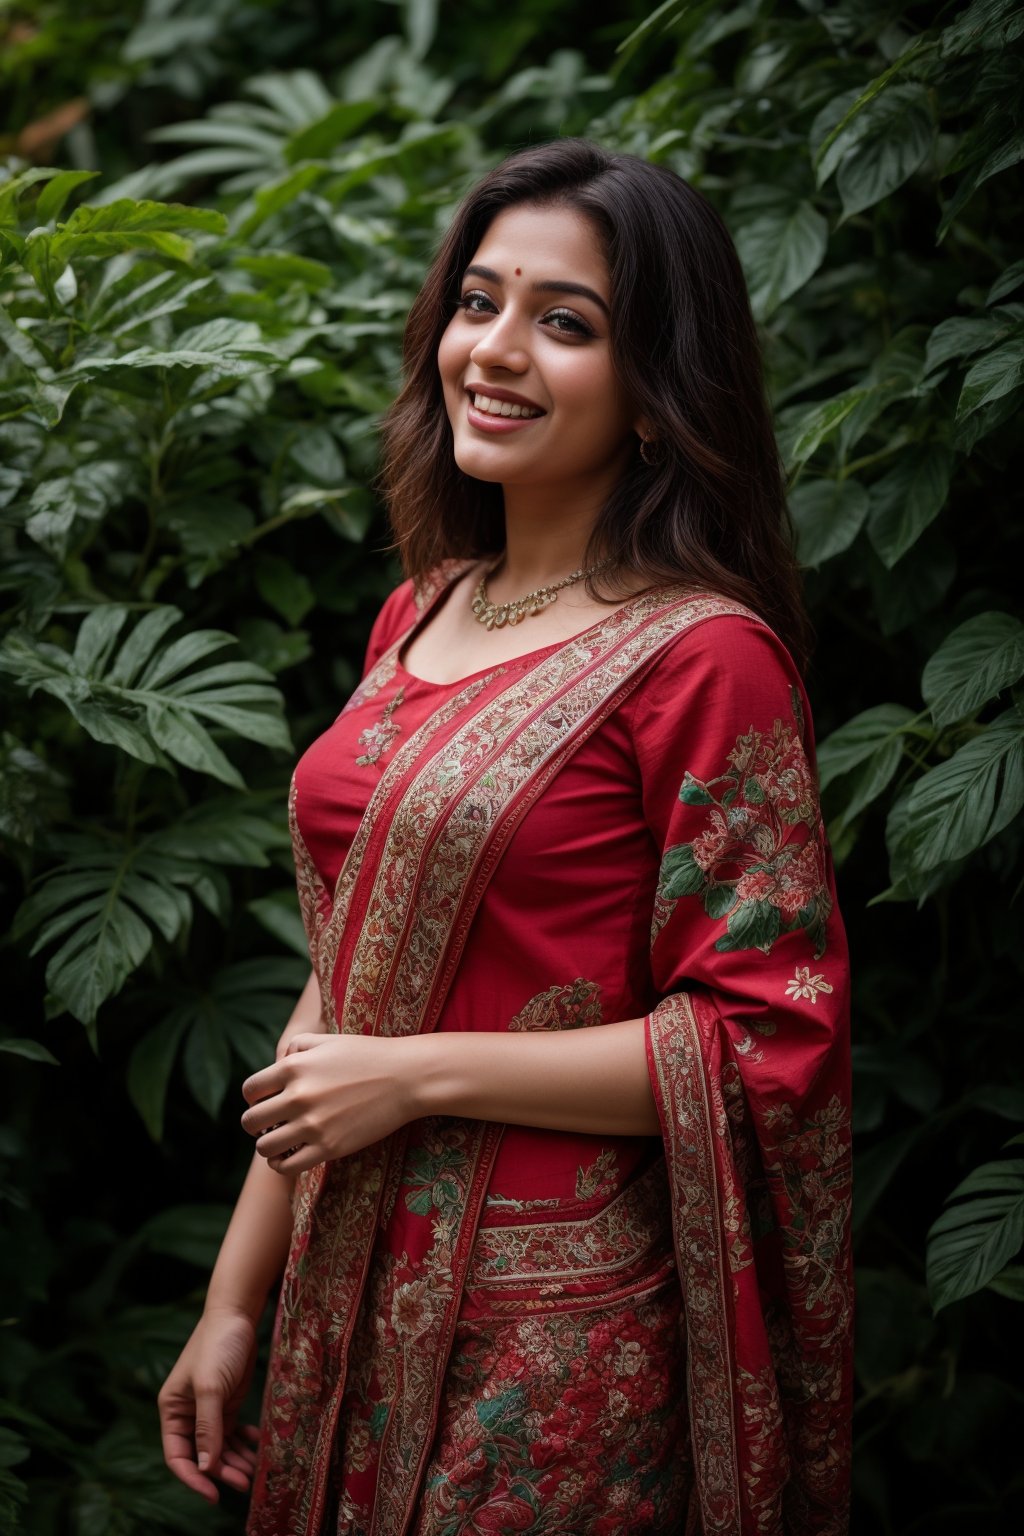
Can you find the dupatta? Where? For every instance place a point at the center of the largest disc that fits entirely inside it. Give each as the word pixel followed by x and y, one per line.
pixel 755 1128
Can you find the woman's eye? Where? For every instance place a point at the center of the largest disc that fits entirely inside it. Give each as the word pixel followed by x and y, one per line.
pixel 568 321
pixel 476 303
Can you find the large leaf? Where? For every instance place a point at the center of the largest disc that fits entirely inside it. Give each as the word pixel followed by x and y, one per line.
pixel 961 805
pixel 993 376
pixel 972 1241
pixel 237 1018
pixel 897 135
pixel 988 24
pixel 812 425
pixel 780 251
pixel 868 748
pixel 972 665
pixel 104 906
pixel 907 499
pixel 232 347
pixel 146 699
pixel 827 516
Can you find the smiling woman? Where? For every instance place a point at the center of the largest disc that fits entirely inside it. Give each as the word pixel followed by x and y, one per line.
pixel 555 1154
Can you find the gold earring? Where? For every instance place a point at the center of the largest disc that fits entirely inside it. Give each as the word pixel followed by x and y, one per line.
pixel 645 444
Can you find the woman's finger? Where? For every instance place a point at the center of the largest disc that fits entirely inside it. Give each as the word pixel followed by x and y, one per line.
pixel 265 1083
pixel 295 1160
pixel 264 1116
pixel 279 1142
pixel 304 1043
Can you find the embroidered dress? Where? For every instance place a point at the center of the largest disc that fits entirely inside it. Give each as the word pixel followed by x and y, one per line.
pixel 504 1329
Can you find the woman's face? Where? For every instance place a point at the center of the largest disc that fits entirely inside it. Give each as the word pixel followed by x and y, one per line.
pixel 526 360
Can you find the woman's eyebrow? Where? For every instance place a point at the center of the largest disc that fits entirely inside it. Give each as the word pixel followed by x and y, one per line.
pixel 489 275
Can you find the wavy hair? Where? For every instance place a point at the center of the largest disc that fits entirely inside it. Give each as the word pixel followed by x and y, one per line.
pixel 712 511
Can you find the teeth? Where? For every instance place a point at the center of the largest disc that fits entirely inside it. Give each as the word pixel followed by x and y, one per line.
pixel 503 407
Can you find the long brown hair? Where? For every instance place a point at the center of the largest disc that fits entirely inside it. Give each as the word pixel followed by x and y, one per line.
pixel 712 511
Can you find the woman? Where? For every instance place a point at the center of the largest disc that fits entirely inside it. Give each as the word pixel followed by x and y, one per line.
pixel 544 1275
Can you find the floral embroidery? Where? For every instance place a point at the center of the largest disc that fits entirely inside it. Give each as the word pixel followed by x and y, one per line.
pixel 378 737
pixel 600 1178
pixel 804 985
pixel 574 1006
pixel 750 864
pixel 563 1423
pixel 445 795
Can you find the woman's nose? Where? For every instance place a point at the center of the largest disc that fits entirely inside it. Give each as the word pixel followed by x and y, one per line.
pixel 502 345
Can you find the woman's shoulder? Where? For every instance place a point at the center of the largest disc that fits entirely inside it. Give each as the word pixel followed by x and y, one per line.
pixel 406 603
pixel 722 663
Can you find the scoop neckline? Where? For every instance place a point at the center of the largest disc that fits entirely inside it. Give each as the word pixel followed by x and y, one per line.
pixel 441 597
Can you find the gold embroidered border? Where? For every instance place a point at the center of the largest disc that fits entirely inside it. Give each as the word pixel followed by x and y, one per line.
pixel 677 1054
pixel 601 1244
pixel 445 820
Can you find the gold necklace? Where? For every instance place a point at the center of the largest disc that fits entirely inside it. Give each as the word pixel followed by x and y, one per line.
pixel 495 615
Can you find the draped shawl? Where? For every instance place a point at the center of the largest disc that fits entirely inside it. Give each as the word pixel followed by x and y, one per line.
pixel 747 1047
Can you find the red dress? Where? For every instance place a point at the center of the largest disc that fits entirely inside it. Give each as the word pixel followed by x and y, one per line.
pixel 491 1329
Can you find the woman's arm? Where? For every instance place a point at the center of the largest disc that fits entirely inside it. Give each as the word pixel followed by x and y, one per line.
pixel 593 1080
pixel 200 1400
pixel 255 1244
pixel 331 1095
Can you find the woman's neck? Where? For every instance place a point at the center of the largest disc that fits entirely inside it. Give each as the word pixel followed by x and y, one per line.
pixel 546 537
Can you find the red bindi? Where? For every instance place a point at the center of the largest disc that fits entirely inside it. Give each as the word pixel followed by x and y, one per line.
pixel 519 271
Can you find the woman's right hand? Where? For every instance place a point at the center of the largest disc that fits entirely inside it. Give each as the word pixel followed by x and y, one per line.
pixel 199 1404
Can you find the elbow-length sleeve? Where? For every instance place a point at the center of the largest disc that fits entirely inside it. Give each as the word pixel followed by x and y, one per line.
pixel 748 1051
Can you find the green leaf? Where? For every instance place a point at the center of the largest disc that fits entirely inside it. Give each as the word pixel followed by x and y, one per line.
pixel 780 251
pixel 1006 283
pixel 988 24
pixel 680 874
pixel 1009 1282
pixel 163 709
pixel 820 421
pixel 279 915
pixel 827 516
pixel 972 665
pixel 693 793
pixel 192 1233
pixel 971 1242
pixel 961 805
pixel 915 586
pixel 907 499
pixel 867 751
pixel 284 588
pixel 318 139
pixel 208 1064
pixel 897 136
pixel 277 268
pixel 129 216
pixel 149 1073
pixel 272 199
pixel 51 200
pixel 190 743
pixel 994 375
pixel 963 335
pixel 753 925
pixel 718 900
pixel 30 1049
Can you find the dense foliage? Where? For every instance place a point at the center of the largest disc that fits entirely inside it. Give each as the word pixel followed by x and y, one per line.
pixel 213 216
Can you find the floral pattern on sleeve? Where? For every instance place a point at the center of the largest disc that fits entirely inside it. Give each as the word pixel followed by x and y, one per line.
pixel 758 860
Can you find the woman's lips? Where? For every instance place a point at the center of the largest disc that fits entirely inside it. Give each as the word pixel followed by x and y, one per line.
pixel 485 422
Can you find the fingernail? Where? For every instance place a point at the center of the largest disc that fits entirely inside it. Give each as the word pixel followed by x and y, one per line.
pixel 204 1461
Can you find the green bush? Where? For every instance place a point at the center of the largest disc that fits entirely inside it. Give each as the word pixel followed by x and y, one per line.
pixel 195 351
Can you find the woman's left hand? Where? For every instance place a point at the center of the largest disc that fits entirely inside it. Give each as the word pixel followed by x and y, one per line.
pixel 328 1096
